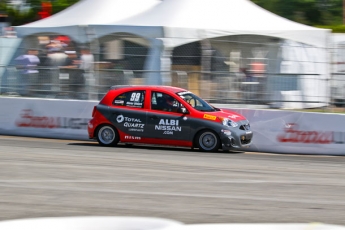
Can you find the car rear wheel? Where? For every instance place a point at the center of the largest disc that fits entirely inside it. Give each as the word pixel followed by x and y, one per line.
pixel 107 135
pixel 208 141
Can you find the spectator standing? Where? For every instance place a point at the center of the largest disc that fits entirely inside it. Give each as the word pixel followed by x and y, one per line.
pixel 28 80
pixel 87 60
pixel 72 60
pixel 55 59
pixel 249 85
pixel 259 69
pixel 248 77
pixel 87 67
pixel 76 75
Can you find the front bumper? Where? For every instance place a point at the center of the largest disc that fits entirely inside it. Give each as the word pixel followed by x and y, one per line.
pixel 236 139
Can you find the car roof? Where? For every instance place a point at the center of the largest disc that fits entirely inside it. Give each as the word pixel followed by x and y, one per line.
pixel 115 89
pixel 152 87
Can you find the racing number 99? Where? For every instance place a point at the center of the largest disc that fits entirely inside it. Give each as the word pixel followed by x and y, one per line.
pixel 135 97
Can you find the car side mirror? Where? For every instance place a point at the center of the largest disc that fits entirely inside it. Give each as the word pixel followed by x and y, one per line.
pixel 183 110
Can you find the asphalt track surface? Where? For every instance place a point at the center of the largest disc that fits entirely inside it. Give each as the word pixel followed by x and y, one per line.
pixel 49 178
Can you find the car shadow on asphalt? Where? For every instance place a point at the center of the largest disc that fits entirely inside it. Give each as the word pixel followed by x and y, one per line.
pixel 151 147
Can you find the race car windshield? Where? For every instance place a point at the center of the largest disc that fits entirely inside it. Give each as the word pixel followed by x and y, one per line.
pixel 196 102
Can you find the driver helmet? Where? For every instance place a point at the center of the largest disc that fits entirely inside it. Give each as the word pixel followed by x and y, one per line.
pixel 169 100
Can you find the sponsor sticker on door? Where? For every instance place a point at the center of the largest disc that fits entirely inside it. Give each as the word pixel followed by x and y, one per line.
pixel 134 124
pixel 168 126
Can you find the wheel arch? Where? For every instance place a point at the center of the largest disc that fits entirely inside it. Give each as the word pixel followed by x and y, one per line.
pixel 196 134
pixel 101 140
pixel 95 130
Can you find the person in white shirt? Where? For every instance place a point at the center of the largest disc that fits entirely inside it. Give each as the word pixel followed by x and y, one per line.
pixel 86 61
pixel 87 65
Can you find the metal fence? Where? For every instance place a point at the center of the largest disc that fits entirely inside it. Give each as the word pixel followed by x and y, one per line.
pixel 244 69
pixel 274 90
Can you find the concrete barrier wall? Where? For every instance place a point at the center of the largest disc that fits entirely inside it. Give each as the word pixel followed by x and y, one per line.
pixel 63 119
pixel 296 132
pixel 274 131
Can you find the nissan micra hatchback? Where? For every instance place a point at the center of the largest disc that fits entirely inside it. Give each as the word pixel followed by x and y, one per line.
pixel 164 115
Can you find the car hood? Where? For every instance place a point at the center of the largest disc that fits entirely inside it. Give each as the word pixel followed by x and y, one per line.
pixel 227 113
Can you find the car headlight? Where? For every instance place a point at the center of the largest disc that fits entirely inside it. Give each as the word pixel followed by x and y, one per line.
pixel 228 122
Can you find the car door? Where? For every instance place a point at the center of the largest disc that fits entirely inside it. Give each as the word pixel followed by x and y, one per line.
pixel 163 123
pixel 128 114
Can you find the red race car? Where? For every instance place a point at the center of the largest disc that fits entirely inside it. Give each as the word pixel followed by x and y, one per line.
pixel 165 115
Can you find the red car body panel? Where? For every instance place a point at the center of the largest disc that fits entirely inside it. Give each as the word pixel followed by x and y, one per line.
pixel 199 120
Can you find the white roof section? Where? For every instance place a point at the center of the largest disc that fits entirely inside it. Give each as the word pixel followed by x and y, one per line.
pixel 91 12
pixel 86 13
pixel 195 20
pixel 182 21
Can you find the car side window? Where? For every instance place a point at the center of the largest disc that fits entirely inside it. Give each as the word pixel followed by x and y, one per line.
pixel 164 102
pixel 131 99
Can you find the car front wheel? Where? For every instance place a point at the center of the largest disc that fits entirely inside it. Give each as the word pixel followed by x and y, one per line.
pixel 107 135
pixel 208 141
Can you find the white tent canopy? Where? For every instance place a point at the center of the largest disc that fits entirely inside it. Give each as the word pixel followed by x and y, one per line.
pixel 185 21
pixel 73 20
pixel 170 23
pixel 182 21
pixel 191 20
pixel 176 22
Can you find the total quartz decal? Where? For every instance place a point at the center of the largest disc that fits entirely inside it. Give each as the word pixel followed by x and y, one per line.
pixel 29 119
pixel 134 124
pixel 293 134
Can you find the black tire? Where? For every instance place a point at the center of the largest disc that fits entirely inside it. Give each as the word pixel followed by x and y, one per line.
pixel 107 135
pixel 207 141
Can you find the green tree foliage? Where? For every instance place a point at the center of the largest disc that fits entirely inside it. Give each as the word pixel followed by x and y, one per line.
pixel 19 18
pixel 59 5
pixel 310 12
